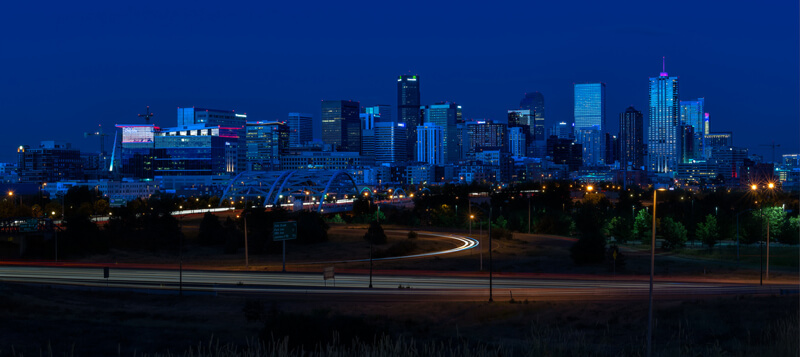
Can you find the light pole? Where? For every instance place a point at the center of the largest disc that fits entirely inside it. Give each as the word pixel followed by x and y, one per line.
pixel 490 253
pixel 760 202
pixel 652 269
pixel 246 255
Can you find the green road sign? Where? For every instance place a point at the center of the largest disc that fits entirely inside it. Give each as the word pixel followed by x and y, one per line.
pixel 30 225
pixel 284 231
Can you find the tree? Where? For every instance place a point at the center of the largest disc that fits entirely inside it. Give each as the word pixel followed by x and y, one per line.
pixel 708 232
pixel 674 234
pixel 589 222
pixel 311 227
pixel 211 231
pixel 642 226
pixel 375 234
pixel 791 234
pixel 619 228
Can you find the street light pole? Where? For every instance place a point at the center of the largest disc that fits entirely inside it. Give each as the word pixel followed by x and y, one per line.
pixel 246 253
pixel 490 254
pixel 652 270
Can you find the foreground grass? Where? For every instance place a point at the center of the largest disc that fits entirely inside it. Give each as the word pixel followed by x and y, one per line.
pixel 779 256
pixel 779 339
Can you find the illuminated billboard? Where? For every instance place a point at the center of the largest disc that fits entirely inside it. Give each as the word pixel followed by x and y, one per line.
pixel 142 134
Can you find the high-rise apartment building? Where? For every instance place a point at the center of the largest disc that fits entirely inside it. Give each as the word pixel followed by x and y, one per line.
pixel 408 108
pixel 444 115
pixel 664 123
pixel 430 144
pixel 521 118
pixel 485 135
pixel 516 141
pixel 631 139
pixel 300 129
pixel 341 127
pixel 590 121
pixel 535 103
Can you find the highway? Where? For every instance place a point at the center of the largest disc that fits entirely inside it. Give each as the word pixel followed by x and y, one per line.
pixel 422 287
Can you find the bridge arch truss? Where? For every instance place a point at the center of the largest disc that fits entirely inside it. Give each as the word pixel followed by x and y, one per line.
pixel 321 190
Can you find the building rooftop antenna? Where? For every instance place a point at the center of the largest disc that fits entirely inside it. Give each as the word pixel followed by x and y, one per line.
pixel 147 115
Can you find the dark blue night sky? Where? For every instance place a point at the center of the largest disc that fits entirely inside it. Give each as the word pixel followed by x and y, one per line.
pixel 68 68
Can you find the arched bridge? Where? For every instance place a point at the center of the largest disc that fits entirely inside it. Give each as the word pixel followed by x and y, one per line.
pixel 322 190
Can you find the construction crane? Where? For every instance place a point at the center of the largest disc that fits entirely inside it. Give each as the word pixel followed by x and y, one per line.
pixel 773 145
pixel 102 136
pixel 147 115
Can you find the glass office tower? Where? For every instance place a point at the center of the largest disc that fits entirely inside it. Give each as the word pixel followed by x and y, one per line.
pixel 664 124
pixel 535 103
pixel 590 121
pixel 341 126
pixel 408 113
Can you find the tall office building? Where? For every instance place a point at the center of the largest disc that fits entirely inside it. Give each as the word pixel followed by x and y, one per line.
pixel 430 144
pixel 380 113
pixel 408 112
pixel 445 115
pixel 210 117
pixel 631 139
pixel 692 114
pixel 590 121
pixel 535 103
pixel 521 118
pixel 196 150
pixel 266 143
pixel 664 124
pixel 390 142
pixel 341 127
pixel 300 129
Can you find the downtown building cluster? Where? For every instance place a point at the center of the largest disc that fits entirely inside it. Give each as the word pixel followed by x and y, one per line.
pixel 412 144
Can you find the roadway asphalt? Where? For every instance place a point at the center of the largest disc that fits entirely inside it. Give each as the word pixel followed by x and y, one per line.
pixel 387 287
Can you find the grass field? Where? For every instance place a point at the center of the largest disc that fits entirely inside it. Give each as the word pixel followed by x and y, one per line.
pixel 105 323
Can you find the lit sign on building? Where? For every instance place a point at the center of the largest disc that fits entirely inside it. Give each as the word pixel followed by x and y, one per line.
pixel 137 134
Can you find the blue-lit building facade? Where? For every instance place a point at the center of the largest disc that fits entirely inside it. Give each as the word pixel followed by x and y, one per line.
pixel 445 115
pixel 408 112
pixel 266 142
pixel 590 121
pixel 663 132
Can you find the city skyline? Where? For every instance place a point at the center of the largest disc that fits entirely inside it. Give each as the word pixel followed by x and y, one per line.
pixel 95 80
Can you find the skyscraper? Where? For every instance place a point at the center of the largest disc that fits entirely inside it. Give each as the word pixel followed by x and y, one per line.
pixel 535 103
pixel 631 138
pixel 692 114
pixel 408 112
pixel 445 115
pixel 430 140
pixel 664 124
pixel 390 142
pixel 341 127
pixel 300 129
pixel 590 121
